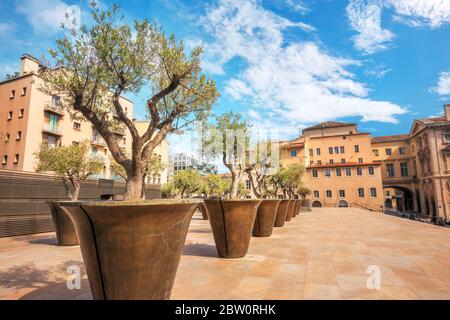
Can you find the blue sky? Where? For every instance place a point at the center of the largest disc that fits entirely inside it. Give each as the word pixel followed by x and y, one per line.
pixel 286 63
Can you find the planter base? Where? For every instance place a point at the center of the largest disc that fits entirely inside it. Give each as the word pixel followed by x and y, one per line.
pixel 64 228
pixel 281 213
pixel 290 210
pixel 232 223
pixel 265 218
pixel 131 250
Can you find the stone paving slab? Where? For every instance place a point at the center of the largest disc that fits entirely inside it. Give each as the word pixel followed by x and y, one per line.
pixel 322 254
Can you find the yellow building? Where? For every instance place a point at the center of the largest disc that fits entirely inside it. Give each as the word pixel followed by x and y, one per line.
pixel 416 167
pixel 340 170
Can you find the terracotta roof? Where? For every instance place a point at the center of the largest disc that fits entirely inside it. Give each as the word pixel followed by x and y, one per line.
pixel 398 137
pixel 329 124
pixel 434 120
pixel 339 164
pixel 293 145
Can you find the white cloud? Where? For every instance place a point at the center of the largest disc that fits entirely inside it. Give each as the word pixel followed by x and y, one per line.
pixel 297 6
pixel 443 85
pixel 6 28
pixel 6 68
pixel 47 15
pixel 365 19
pixel 378 72
pixel 296 81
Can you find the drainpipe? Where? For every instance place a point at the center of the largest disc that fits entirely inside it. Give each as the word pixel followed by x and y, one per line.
pixel 440 172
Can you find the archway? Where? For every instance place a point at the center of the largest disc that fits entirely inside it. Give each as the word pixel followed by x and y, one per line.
pixel 316 204
pixel 402 200
pixel 343 204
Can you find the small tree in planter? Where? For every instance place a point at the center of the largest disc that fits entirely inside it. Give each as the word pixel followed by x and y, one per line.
pixel 72 164
pixel 213 186
pixel 187 181
pixel 169 190
pixel 304 192
pixel 231 220
pixel 95 66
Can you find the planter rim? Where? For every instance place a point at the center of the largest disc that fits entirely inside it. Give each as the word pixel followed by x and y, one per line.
pixel 235 200
pixel 110 203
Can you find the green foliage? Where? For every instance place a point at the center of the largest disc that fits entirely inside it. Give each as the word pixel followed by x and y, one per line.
pixel 288 179
pixel 169 190
pixel 11 75
pixel 303 192
pixel 97 64
pixel 214 186
pixel 187 181
pixel 72 164
pixel 153 167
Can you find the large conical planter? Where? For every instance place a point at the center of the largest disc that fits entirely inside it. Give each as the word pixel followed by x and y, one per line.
pixel 281 213
pixel 305 206
pixel 296 208
pixel 131 250
pixel 64 228
pixel 265 218
pixel 232 224
pixel 203 210
pixel 290 210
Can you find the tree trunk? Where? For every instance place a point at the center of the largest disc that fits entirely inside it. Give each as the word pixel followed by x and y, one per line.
pixel 76 190
pixel 133 187
pixel 234 185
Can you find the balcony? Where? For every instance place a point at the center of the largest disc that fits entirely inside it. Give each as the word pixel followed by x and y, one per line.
pixel 120 130
pixel 98 141
pixel 54 108
pixel 52 129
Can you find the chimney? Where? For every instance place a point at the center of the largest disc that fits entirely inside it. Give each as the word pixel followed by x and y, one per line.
pixel 447 111
pixel 28 64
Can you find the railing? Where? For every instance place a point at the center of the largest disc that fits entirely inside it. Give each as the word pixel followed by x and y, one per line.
pixel 52 129
pixel 98 141
pixel 52 107
pixel 119 130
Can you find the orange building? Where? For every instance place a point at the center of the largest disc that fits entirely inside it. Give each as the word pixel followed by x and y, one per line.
pixel 340 170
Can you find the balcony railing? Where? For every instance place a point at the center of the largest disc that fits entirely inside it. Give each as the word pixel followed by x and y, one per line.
pixel 53 129
pixel 54 107
pixel 98 141
pixel 119 130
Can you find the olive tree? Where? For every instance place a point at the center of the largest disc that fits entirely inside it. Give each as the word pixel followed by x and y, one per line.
pixel 169 190
pixel 95 65
pixel 187 182
pixel 214 186
pixel 72 164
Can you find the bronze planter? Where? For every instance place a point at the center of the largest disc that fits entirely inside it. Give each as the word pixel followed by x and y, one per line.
pixel 203 210
pixel 281 213
pixel 232 223
pixel 265 218
pixel 290 210
pixel 131 250
pixel 64 228
pixel 296 208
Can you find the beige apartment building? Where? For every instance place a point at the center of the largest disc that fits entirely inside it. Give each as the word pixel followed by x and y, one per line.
pixel 340 170
pixel 416 167
pixel 29 118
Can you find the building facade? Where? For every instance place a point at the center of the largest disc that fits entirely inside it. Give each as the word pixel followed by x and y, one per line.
pixel 416 167
pixel 340 170
pixel 182 161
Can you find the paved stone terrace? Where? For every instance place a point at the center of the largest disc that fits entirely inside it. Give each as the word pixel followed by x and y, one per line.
pixel 323 254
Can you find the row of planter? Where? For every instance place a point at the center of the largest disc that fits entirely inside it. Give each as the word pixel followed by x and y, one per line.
pixel 131 250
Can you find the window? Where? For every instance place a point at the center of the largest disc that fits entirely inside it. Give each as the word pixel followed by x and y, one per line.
pixel 330 149
pixel 13 94
pixel 318 151
pixel 348 172
pixel 319 161
pixel 16 159
pixel 21 113
pixel 390 169
pixel 375 152
pixel 404 169
pixel 293 153
pixel 356 148
pixel 373 192
pixel 447 136
pixel 316 194
pixel 359 171
pixel 360 160
pixel 314 173
pixel 311 162
pixel 331 161
pixel 341 193
pixel 327 173
pixel 329 194
pixel 77 126
pixel 310 152
pixel 388 193
pixel 10 115
pixel 361 192
pixel 336 150
pixel 248 184
pixel 342 160
pixel 388 151
pixel 371 171
pixel 24 91
pixel 19 135
pixel 5 160
pixel 402 150
pixel 338 172
pixel 342 149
